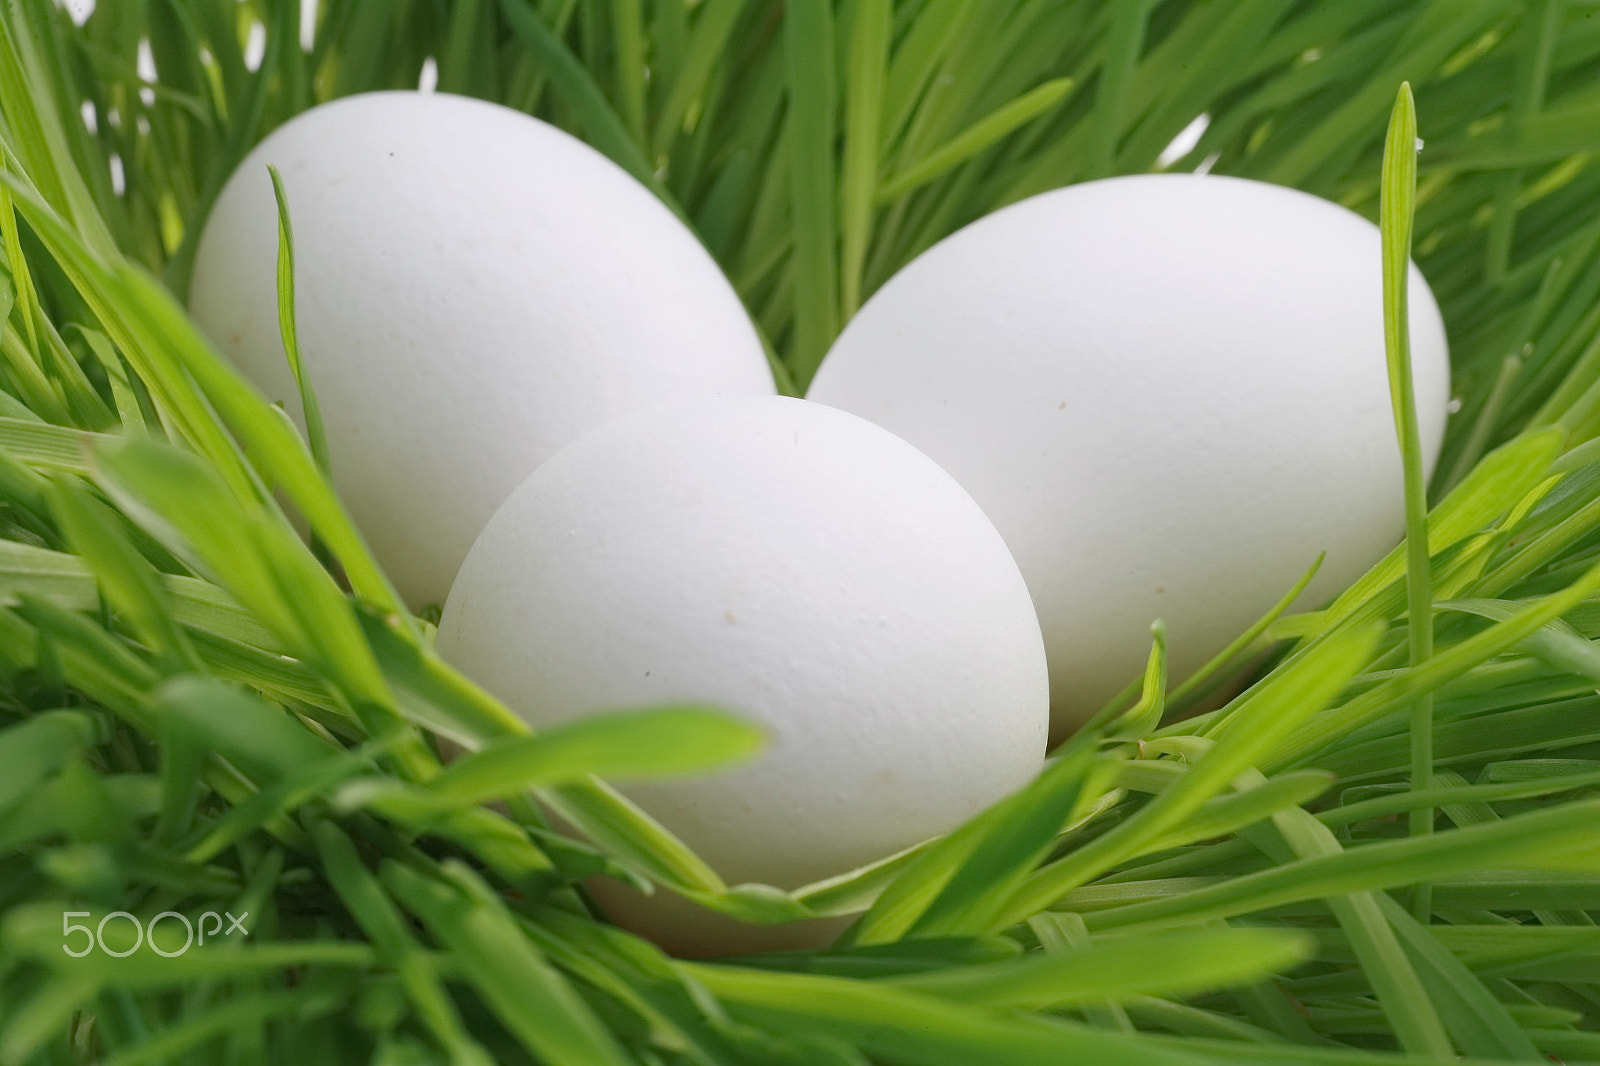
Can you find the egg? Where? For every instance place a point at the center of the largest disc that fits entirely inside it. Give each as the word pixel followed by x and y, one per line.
pixel 474 288
pixel 793 564
pixel 1170 394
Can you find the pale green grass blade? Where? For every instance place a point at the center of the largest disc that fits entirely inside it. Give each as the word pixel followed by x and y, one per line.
pixel 1503 478
pixel 127 580
pixel 263 740
pixel 316 436
pixel 628 39
pixel 34 749
pixel 1235 811
pixel 1400 992
pixel 630 835
pixel 67 582
pixel 1438 796
pixel 1143 717
pixel 181 502
pixel 1249 733
pixel 975 138
pixel 1559 838
pixel 1112 969
pixel 1557 643
pixel 52 447
pixel 919 1029
pixel 665 742
pixel 932 34
pixel 129 406
pixel 999 847
pixel 35 133
pixel 1399 191
pixel 1197 681
pixel 1444 665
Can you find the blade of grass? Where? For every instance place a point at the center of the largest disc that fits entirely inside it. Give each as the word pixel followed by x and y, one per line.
pixel 1269 713
pixel 863 136
pixel 391 935
pixel 1556 838
pixel 1399 191
pixel 1117 969
pixel 922 1030
pixel 808 36
pixel 975 138
pixel 527 994
pixel 660 742
pixel 316 436
pixel 606 131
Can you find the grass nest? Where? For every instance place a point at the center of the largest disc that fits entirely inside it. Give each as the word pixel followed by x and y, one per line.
pixel 1384 849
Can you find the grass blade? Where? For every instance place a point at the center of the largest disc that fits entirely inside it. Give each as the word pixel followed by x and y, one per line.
pixel 663 742
pixel 1399 191
pixel 808 53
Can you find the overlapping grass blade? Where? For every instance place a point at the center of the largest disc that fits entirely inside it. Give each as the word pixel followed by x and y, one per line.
pixel 152 782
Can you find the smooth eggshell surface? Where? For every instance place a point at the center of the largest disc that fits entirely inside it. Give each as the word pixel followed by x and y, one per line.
pixel 474 289
pixel 788 562
pixel 1169 392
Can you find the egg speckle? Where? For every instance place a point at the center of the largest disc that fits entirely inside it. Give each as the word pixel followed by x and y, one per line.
pixel 880 630
pixel 474 288
pixel 1214 350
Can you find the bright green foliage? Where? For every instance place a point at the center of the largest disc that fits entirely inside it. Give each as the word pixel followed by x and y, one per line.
pixel 1379 842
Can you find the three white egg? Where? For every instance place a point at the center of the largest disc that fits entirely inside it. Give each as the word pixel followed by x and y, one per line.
pixel 1162 396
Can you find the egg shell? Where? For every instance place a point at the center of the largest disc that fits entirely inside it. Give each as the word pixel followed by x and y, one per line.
pixel 793 564
pixel 1170 394
pixel 474 288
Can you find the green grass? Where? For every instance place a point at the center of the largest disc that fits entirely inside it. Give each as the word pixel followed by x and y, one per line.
pixel 1385 848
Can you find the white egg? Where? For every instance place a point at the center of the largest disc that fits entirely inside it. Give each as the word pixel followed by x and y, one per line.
pixel 1169 392
pixel 474 289
pixel 791 563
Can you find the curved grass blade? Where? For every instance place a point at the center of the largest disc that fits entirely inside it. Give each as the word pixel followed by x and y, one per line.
pixel 1196 681
pixel 983 133
pixel 1116 969
pixel 921 1030
pixel 1558 643
pixel 1399 193
pixel 1401 993
pixel 316 436
pixel 656 742
pixel 1244 738
pixel 125 577
pixel 960 877
pixel 1480 1023
pixel 1556 838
